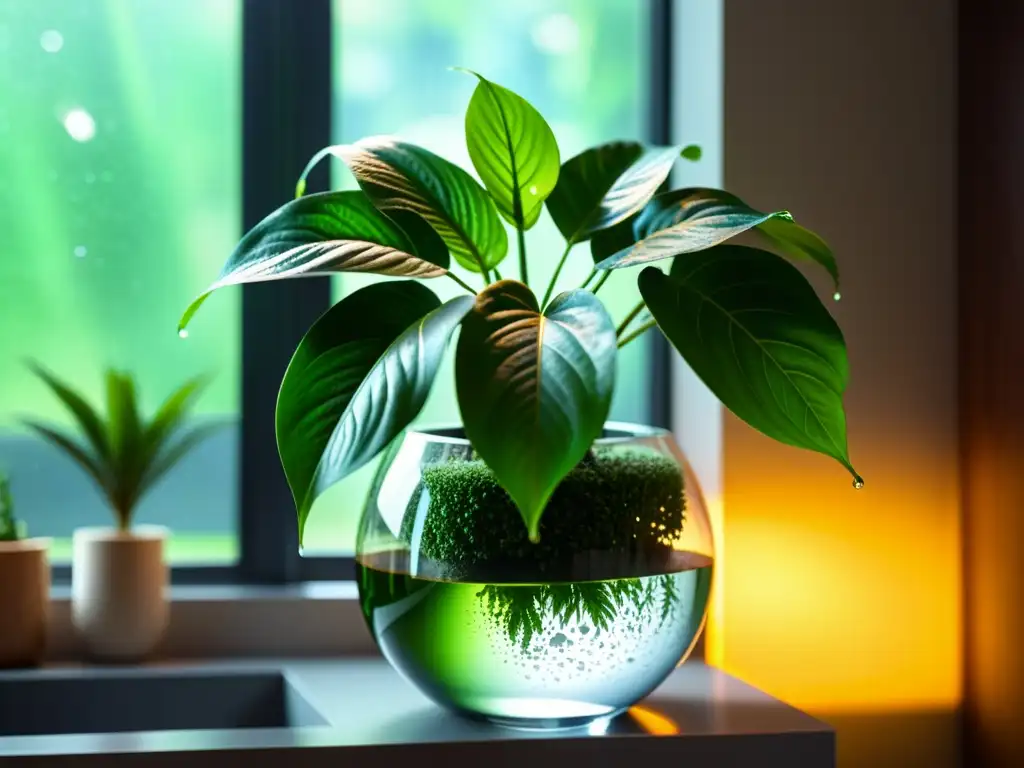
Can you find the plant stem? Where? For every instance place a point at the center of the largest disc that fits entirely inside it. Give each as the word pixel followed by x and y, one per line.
pixel 638 332
pixel 629 318
pixel 497 274
pixel 462 282
pixel 590 277
pixel 602 281
pixel 558 270
pixel 521 236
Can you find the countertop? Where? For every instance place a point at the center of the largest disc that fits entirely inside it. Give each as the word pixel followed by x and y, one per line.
pixel 698 717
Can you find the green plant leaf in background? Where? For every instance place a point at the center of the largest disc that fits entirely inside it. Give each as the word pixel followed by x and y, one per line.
pixel 400 176
pixel 513 150
pixel 125 455
pixel 752 328
pixel 330 232
pixel 534 388
pixel 694 219
pixel 361 373
pixel 605 185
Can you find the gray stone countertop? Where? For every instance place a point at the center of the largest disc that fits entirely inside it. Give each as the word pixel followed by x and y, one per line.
pixel 700 717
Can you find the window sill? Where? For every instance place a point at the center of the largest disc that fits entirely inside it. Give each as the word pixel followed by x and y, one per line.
pixel 313 619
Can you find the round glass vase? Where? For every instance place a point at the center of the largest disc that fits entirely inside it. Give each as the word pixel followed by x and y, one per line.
pixel 573 628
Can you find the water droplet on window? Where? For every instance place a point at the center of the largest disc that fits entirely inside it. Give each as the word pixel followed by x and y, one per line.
pixel 81 251
pixel 51 41
pixel 79 124
pixel 183 333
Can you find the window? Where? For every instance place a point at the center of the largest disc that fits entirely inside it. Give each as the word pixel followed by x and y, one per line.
pixel 141 136
pixel 120 126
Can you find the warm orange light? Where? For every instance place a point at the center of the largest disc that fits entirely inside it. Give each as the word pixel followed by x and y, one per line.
pixel 653 723
pixel 833 599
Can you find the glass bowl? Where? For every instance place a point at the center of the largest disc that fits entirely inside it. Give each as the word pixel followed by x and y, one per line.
pixel 558 633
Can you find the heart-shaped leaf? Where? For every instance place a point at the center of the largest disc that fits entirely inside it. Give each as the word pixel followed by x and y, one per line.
pixel 513 150
pixel 688 220
pixel 751 326
pixel 606 185
pixel 361 373
pixel 534 388
pixel 399 176
pixel 331 232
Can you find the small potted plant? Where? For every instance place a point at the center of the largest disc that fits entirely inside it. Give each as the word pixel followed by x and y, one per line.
pixel 119 575
pixel 24 588
pixel 534 565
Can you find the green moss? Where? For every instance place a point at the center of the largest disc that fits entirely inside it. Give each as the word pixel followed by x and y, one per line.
pixel 610 511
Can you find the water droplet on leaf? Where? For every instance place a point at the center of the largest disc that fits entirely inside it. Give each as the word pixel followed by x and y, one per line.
pixel 858 482
pixel 183 334
pixel 837 296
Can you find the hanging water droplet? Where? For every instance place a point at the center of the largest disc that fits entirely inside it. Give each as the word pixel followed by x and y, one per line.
pixel 858 482
pixel 183 334
pixel 785 215
pixel 837 296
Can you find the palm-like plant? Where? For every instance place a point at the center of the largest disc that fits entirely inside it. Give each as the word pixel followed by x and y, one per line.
pixel 121 451
pixel 534 376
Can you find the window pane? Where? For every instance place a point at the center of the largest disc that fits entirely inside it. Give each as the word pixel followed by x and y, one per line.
pixel 120 129
pixel 580 62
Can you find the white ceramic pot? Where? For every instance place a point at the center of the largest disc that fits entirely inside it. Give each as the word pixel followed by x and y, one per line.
pixel 24 601
pixel 119 591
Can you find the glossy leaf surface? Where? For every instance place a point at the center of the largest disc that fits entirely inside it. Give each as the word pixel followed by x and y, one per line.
pixel 513 150
pixel 751 326
pixel 326 233
pixel 534 388
pixel 400 176
pixel 361 373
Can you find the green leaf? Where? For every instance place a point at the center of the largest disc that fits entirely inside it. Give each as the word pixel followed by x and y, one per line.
pixel 172 412
pixel 534 388
pixel 73 449
pixel 399 176
pixel 171 453
pixel 513 150
pixel 694 219
pixel 751 326
pixel 612 240
pixel 89 421
pixel 605 185
pixel 331 232
pixel 692 152
pixel 359 376
pixel 125 437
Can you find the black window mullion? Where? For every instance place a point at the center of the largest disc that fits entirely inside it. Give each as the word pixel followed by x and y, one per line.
pixel 659 131
pixel 286 111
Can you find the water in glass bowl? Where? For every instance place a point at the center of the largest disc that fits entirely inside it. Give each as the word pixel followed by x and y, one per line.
pixel 535 655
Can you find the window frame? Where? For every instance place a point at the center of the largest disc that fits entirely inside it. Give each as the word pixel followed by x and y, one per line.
pixel 287 93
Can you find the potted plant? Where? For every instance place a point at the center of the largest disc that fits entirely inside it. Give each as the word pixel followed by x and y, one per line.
pixel 24 588
pixel 534 565
pixel 119 576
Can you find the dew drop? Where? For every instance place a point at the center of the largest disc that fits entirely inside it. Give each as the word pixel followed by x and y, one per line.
pixel 837 296
pixel 858 482
pixel 533 189
pixel 183 334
